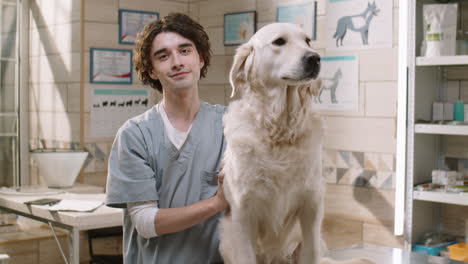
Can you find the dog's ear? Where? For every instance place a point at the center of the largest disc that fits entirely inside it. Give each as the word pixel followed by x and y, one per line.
pixel 241 67
pixel 315 87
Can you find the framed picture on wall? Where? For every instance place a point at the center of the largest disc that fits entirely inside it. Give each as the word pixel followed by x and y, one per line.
pixel 131 22
pixel 110 66
pixel 239 27
pixel 301 13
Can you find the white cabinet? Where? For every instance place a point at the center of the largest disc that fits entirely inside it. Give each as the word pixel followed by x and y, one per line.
pixel 427 147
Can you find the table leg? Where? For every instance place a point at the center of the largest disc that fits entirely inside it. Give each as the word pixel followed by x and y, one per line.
pixel 75 246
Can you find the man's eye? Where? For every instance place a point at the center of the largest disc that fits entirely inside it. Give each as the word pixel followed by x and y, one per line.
pixel 279 42
pixel 162 57
pixel 307 40
pixel 185 51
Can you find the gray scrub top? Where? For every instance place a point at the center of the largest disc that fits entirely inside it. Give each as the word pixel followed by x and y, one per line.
pixel 144 165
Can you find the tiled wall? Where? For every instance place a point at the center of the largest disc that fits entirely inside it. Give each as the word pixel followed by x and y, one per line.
pixel 54 73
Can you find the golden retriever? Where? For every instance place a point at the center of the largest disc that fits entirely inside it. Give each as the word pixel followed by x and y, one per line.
pixel 273 160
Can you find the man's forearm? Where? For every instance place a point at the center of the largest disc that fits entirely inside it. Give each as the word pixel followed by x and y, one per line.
pixel 173 220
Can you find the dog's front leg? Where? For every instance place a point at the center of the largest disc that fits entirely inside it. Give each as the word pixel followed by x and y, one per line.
pixel 244 237
pixel 311 219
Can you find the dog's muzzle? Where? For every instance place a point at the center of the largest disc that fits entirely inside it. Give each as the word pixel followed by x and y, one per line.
pixel 311 62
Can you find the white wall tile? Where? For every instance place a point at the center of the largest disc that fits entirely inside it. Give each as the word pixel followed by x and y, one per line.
pixel 67 126
pixel 101 11
pixel 381 99
pixel 360 134
pixel 359 112
pixel 63 67
pixel 53 97
pixel 55 39
pixel 53 12
pixel 395 36
pixel 378 65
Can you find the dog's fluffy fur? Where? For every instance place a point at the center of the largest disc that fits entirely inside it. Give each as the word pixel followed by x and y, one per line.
pixel 272 165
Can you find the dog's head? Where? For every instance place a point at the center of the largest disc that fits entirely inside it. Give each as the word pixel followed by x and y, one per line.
pixel 277 55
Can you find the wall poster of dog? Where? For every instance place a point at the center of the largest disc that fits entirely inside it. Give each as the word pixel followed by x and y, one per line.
pixel 359 24
pixel 273 161
pixel 340 84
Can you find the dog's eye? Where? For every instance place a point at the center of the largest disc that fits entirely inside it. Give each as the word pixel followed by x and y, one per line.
pixel 279 42
pixel 307 40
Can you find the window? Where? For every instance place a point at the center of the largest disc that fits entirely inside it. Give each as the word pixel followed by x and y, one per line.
pixel 9 92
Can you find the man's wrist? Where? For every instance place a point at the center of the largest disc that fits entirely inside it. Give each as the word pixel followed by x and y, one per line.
pixel 217 204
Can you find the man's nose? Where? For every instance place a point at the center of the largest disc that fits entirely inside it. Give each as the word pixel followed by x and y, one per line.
pixel 176 60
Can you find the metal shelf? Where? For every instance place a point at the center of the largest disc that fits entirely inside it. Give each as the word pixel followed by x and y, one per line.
pixel 460 130
pixel 441 197
pixel 443 60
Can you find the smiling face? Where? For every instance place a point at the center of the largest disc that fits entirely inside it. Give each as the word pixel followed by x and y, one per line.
pixel 175 62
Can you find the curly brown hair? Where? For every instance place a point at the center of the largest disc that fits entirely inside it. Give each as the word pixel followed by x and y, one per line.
pixel 177 23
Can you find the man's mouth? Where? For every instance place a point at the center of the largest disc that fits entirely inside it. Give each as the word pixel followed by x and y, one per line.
pixel 179 74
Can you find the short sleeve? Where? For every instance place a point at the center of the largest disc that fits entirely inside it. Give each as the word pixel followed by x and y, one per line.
pixel 130 177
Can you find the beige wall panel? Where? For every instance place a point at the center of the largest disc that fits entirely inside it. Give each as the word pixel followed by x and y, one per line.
pixel 194 11
pixel 21 251
pixel 216 35
pixel 360 204
pixel 102 11
pixel 211 21
pixel 360 134
pixel 395 36
pixel 213 94
pixel 339 233
pixel 49 252
pixel 381 235
pixel 169 6
pixel 97 179
pixel 74 97
pixel 378 65
pixel 217 71
pixel 453 219
pixel 103 35
pixel 381 99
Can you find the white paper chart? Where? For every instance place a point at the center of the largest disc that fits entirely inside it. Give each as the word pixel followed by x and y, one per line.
pixel 112 107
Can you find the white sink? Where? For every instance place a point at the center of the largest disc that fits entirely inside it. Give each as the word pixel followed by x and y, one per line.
pixel 59 168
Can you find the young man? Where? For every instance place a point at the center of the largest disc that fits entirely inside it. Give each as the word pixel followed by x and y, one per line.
pixel 163 163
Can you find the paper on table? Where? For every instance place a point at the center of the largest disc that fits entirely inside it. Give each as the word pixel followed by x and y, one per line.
pixel 76 205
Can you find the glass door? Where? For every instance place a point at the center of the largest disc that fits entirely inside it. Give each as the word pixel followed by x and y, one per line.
pixel 9 93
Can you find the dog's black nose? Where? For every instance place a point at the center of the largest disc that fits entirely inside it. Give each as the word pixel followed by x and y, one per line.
pixel 311 61
pixel 312 58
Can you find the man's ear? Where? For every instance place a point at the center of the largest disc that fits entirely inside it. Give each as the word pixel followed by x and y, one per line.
pixel 152 75
pixel 202 61
pixel 241 67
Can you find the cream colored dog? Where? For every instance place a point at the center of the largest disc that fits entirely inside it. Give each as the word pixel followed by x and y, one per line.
pixel 272 165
